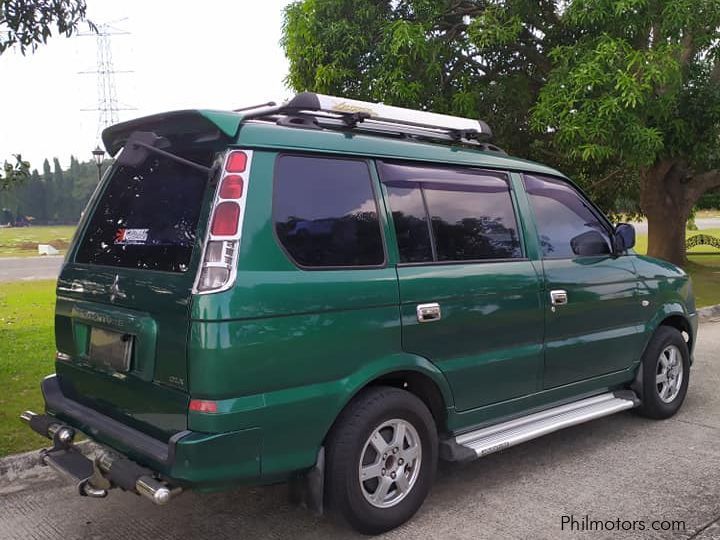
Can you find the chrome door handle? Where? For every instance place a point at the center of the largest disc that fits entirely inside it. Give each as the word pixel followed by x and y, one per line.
pixel 428 312
pixel 558 297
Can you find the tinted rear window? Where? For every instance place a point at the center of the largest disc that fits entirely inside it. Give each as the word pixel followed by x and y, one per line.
pixel 325 212
pixel 146 218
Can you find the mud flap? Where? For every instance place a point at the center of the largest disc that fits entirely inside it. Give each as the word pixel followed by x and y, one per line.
pixel 308 490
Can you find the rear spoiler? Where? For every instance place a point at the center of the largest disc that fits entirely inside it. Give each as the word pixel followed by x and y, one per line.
pixel 191 126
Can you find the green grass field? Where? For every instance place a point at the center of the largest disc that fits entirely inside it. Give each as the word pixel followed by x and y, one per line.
pixel 26 355
pixel 23 241
pixel 27 343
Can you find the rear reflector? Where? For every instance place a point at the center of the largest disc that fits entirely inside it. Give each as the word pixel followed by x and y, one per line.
pixel 203 406
pixel 225 221
pixel 231 187
pixel 236 162
pixel 213 278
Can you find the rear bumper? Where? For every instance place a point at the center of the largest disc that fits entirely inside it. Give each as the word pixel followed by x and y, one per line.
pixel 188 458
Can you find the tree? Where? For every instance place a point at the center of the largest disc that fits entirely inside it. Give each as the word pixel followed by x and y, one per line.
pixel 14 173
pixel 29 23
pixel 623 95
pixel 42 198
pixel 26 24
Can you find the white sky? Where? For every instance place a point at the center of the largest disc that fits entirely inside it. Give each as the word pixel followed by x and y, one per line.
pixel 217 54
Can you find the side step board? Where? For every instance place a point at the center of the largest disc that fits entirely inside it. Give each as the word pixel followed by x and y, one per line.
pixel 500 436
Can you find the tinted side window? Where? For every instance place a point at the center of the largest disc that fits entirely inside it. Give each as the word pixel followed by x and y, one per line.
pixel 471 213
pixel 325 213
pixel 566 225
pixel 411 224
pixel 473 225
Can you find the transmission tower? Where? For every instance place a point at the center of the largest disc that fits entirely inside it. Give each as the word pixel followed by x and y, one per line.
pixel 108 105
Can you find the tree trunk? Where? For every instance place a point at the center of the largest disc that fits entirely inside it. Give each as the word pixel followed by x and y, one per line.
pixel 666 235
pixel 668 193
pixel 665 201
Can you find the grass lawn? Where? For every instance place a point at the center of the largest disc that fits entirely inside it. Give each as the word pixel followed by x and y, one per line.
pixel 23 241
pixel 27 347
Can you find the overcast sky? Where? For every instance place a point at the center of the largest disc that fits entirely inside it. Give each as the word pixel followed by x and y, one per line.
pixel 217 54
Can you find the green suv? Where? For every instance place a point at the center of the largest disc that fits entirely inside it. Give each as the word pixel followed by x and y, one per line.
pixel 337 294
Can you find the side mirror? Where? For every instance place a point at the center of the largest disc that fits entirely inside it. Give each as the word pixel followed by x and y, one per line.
pixel 590 243
pixel 624 237
pixel 138 146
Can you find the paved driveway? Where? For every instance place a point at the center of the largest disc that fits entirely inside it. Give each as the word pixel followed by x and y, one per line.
pixel 27 268
pixel 621 467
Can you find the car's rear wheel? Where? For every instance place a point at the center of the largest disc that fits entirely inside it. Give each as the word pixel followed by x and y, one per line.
pixel 381 459
pixel 665 373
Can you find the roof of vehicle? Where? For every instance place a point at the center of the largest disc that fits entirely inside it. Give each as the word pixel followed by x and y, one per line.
pixel 268 135
pixel 235 129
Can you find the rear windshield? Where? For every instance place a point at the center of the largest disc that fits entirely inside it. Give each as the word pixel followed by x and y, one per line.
pixel 146 218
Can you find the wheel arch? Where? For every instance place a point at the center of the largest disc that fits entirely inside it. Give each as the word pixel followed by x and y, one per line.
pixel 412 373
pixel 674 316
pixel 671 315
pixel 682 324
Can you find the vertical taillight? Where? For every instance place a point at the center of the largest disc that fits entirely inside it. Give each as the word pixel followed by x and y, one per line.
pixel 217 271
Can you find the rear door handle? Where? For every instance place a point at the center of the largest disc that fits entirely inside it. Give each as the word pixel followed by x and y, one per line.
pixel 558 297
pixel 428 312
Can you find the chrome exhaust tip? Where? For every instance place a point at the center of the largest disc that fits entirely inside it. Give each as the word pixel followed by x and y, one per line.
pixel 151 489
pixel 27 416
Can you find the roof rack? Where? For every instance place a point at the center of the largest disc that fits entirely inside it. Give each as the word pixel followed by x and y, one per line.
pixel 320 111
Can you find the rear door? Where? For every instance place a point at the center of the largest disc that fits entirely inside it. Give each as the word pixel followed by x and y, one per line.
pixel 595 326
pixel 470 299
pixel 124 294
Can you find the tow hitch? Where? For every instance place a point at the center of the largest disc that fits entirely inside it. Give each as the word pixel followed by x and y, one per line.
pixel 93 478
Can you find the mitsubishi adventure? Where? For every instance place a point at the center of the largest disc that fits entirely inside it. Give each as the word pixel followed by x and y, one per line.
pixel 337 294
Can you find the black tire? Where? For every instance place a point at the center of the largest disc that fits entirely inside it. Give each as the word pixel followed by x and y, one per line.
pixel 345 494
pixel 653 405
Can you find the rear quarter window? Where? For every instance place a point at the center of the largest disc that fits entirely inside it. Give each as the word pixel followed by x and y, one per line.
pixel 325 212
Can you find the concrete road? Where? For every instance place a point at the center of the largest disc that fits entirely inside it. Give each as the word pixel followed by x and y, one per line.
pixel 621 467
pixel 28 268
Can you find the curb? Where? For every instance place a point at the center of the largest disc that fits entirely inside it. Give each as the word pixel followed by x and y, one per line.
pixel 13 466
pixel 16 466
pixel 709 313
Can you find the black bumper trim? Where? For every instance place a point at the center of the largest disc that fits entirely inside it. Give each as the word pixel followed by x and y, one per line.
pixel 94 423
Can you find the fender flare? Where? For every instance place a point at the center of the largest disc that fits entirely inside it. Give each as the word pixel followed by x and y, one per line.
pixel 380 367
pixel 665 311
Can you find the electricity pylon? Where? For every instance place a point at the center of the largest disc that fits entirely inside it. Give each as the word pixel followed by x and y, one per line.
pixel 108 105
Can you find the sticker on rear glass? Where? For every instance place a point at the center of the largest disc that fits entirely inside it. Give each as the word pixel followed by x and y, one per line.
pixel 131 236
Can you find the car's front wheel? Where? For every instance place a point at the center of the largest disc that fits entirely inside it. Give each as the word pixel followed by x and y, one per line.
pixel 381 459
pixel 665 373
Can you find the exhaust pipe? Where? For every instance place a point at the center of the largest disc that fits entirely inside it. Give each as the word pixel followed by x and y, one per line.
pixel 132 477
pixel 151 489
pixel 48 427
pixel 121 472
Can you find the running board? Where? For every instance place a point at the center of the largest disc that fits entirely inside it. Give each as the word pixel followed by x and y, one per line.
pixel 491 439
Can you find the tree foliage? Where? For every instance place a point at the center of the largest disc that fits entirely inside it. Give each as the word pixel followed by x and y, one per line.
pixel 29 23
pixel 53 195
pixel 13 172
pixel 26 24
pixel 623 95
